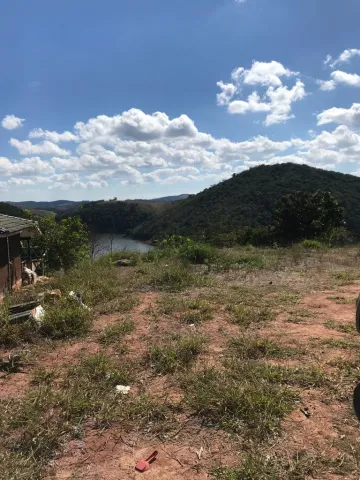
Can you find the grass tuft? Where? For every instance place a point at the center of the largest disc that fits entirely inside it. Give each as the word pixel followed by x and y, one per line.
pixel 253 347
pixel 245 316
pixel 114 333
pixel 175 355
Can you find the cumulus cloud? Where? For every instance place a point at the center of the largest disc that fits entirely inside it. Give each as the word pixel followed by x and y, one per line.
pixel 54 137
pixel 45 148
pixel 340 78
pixel 138 148
pixel 11 122
pixel 344 57
pixel 262 73
pixel 228 90
pixel 347 116
pixel 27 166
pixel 277 100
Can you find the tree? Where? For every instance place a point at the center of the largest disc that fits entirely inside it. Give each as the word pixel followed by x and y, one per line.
pixel 64 243
pixel 301 215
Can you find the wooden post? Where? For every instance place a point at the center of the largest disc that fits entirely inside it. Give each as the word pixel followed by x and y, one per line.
pixel 9 265
pixel 29 254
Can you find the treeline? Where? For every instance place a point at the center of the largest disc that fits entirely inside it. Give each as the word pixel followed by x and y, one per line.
pixel 247 201
pixel 117 217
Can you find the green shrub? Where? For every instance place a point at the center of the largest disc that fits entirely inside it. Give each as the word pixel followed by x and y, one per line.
pixel 175 355
pixel 66 319
pixel 311 244
pixel 247 402
pixel 197 253
pixel 16 334
pixel 188 249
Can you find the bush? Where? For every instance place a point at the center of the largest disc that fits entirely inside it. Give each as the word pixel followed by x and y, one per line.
pixel 197 253
pixel 311 244
pixel 66 319
pixel 188 250
pixel 339 237
pixel 175 355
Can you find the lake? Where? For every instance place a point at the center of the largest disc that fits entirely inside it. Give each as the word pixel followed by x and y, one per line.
pixel 101 245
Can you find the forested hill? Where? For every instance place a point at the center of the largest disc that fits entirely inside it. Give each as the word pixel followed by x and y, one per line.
pixel 247 199
pixel 114 216
pixel 12 210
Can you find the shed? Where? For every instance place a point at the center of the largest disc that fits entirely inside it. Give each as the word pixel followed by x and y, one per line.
pixel 12 231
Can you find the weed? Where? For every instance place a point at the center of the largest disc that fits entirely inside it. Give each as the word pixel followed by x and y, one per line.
pixel 312 244
pixel 98 281
pixel 12 335
pixel 114 333
pixel 175 277
pixel 255 347
pixel 339 327
pixel 120 304
pixel 175 355
pixel 344 278
pixel 245 316
pixel 250 404
pixel 66 319
pixel 340 300
pixel 341 343
pixel 301 466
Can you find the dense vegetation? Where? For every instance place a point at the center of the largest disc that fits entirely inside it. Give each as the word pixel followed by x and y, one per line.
pixel 117 217
pixel 12 210
pixel 248 200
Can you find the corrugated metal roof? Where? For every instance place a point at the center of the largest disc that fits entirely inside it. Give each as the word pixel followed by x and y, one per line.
pixel 14 224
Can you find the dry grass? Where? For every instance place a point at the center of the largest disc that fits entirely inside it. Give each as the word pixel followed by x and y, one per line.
pixel 229 352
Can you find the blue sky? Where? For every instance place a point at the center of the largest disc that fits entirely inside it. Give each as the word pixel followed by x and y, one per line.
pixel 139 98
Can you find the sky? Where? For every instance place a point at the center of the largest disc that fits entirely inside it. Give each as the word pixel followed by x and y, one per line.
pixel 147 98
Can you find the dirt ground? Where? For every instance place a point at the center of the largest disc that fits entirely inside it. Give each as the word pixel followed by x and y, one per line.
pixel 322 423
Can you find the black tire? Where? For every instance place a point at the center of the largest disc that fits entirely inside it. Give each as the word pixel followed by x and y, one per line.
pixel 356 400
pixel 358 314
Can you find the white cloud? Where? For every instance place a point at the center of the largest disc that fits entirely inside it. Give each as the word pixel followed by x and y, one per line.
pixel 340 78
pixel 139 148
pixel 350 116
pixel 45 148
pixel 345 57
pixel 27 166
pixel 10 122
pixel 262 73
pixel 253 104
pixel 281 100
pixel 228 90
pixel 328 59
pixel 53 136
pixel 326 85
pixel 277 99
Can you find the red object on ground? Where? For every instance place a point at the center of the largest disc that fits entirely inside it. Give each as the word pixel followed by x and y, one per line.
pixel 143 465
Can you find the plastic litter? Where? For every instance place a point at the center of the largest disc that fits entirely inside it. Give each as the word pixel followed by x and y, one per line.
pixel 78 297
pixel 123 389
pixel 143 465
pixel 38 314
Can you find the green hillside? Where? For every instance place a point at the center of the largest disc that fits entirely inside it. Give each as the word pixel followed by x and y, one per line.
pixel 117 217
pixel 247 199
pixel 13 211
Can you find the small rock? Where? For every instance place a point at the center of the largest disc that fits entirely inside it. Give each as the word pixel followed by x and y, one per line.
pixel 125 262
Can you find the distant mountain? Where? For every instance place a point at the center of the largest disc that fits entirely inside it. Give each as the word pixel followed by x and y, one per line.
pixel 56 206
pixel 247 199
pixel 171 198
